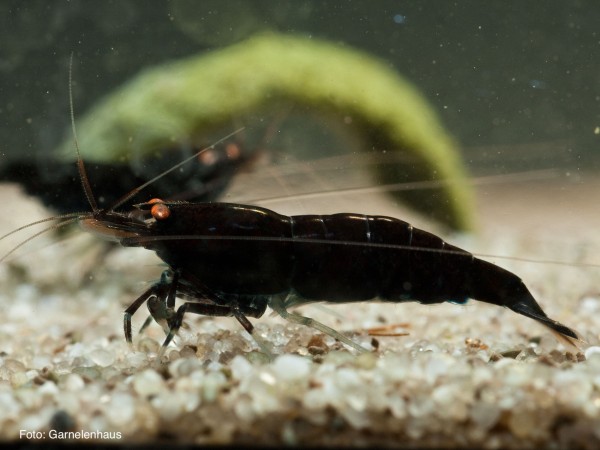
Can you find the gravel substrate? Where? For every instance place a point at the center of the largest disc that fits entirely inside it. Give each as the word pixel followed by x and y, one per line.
pixel 466 376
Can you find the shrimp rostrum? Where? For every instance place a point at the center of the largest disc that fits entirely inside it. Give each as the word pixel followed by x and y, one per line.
pixel 235 260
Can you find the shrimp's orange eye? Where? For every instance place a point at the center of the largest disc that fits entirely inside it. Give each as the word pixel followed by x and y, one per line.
pixel 159 210
pixel 208 157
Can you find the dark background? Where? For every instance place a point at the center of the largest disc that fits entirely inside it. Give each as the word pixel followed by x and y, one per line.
pixel 516 82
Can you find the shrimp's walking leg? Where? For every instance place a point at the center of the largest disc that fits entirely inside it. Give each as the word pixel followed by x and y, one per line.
pixel 206 309
pixel 160 297
pixel 157 291
pixel 278 304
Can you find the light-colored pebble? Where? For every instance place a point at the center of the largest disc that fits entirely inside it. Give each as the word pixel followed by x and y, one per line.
pixel 147 383
pixel 291 368
pixel 102 357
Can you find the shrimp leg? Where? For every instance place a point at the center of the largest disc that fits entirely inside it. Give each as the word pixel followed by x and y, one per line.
pixel 161 297
pixel 278 304
pixel 158 291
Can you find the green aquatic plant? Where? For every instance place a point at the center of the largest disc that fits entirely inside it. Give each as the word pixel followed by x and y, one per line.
pixel 194 96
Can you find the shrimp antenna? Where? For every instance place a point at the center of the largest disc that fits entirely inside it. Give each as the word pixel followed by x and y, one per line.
pixel 85 182
pixel 56 226
pixel 47 219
